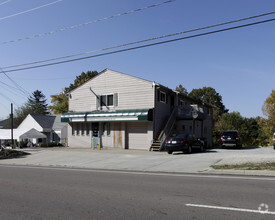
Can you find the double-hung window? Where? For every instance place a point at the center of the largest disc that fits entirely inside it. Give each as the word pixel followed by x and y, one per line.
pixel 107 100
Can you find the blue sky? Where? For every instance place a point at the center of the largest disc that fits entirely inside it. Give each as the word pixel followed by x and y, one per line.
pixel 239 64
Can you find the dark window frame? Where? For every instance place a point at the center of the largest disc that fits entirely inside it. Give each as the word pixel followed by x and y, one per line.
pixel 106 101
pixel 162 97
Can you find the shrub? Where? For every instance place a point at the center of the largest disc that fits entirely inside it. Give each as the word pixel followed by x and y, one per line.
pixel 51 144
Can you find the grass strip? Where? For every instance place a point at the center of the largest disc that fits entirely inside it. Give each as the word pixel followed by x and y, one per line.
pixel 247 166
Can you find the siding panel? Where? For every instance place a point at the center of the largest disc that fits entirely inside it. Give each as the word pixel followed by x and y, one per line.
pixel 133 93
pixel 139 135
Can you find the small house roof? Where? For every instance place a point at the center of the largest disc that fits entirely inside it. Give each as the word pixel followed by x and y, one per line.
pixel 4 122
pixel 45 121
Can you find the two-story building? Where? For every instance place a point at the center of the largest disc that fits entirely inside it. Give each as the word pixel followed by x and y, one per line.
pixel 116 110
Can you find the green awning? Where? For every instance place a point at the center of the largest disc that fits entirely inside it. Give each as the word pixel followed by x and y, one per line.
pixel 98 116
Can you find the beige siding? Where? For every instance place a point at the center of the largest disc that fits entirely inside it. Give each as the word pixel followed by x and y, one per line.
pixel 107 140
pixel 139 135
pixel 81 141
pixel 133 93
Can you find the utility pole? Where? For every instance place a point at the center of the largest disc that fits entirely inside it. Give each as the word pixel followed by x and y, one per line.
pixel 11 117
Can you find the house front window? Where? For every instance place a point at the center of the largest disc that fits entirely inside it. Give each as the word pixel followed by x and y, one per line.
pixel 107 100
pixel 83 128
pixel 162 97
pixel 106 129
pixel 77 129
pixel 88 127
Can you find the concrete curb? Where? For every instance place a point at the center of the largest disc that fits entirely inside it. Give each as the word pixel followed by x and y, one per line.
pixel 241 172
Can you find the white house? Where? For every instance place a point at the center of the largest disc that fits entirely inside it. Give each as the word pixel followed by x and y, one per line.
pixel 116 110
pixel 48 125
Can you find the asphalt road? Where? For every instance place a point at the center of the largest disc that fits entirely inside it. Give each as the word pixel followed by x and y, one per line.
pixel 59 193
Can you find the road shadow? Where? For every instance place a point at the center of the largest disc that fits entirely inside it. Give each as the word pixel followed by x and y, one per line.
pixel 250 148
pixel 208 151
pixel 233 148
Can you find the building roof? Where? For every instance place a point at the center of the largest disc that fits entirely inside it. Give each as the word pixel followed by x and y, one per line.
pixel 3 123
pixel 57 123
pixel 45 121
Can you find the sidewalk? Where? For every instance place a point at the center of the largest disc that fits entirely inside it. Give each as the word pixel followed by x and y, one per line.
pixel 134 160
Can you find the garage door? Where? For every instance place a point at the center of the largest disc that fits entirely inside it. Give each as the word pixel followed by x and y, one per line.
pixel 137 135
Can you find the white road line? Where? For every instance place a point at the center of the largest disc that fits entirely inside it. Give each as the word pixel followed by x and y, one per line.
pixel 231 209
pixel 134 172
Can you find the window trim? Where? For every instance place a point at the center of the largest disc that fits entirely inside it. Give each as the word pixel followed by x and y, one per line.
pixel 88 125
pixel 83 129
pixel 106 104
pixel 77 129
pixel 103 128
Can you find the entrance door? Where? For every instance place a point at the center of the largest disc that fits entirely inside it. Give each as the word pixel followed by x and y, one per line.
pixel 95 136
pixel 118 135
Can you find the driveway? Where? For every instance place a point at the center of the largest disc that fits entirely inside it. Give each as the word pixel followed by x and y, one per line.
pixel 135 160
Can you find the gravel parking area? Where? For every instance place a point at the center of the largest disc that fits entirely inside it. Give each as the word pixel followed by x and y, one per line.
pixel 246 155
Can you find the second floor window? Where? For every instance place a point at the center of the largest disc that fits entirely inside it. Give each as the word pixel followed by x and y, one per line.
pixel 162 97
pixel 107 100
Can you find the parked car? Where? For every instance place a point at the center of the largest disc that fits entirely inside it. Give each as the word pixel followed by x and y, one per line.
pixel 203 141
pixel 274 140
pixel 231 139
pixel 183 142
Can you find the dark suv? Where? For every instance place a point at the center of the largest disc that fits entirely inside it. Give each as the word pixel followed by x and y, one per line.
pixel 231 139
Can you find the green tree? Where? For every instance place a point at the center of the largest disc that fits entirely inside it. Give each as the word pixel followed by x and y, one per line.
pixel 210 96
pixel 265 131
pixel 269 109
pixel 250 131
pixel 181 89
pixel 268 125
pixel 19 115
pixel 248 128
pixel 60 102
pixel 229 121
pixel 37 103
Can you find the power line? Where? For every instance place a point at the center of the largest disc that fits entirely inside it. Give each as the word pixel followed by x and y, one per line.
pixel 12 89
pixel 5 2
pixel 143 46
pixel 142 41
pixel 20 88
pixel 29 10
pixel 86 23
pixel 39 79
pixel 8 98
pixel 147 45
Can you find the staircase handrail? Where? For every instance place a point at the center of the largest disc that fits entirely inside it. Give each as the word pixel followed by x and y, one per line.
pixel 168 127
